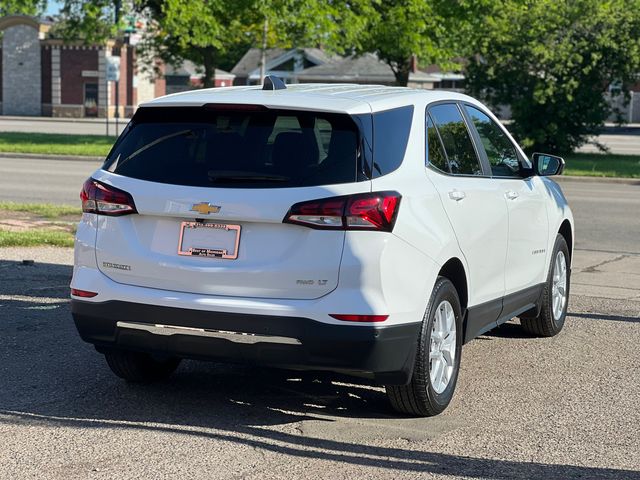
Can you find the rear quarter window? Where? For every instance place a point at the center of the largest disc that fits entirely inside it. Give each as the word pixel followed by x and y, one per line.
pixel 391 129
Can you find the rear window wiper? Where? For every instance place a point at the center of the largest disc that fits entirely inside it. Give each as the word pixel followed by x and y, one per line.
pixel 238 176
pixel 158 141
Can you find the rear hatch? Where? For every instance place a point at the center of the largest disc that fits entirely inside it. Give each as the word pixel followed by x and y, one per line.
pixel 211 186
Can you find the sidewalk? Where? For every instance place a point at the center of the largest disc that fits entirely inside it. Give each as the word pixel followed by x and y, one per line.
pixel 606 275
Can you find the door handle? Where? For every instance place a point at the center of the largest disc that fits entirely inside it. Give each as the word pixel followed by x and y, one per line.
pixel 511 195
pixel 456 195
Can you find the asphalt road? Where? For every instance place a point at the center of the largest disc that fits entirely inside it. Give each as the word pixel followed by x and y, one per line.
pixel 525 408
pixel 60 125
pixel 622 140
pixel 606 214
pixel 49 181
pixel 600 208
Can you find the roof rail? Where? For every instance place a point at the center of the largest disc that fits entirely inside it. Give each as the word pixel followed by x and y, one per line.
pixel 271 82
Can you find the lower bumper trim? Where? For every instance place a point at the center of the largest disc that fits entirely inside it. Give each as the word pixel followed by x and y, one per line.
pixel 235 337
pixel 385 353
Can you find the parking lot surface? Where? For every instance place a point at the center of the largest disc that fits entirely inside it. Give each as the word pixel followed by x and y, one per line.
pixel 565 407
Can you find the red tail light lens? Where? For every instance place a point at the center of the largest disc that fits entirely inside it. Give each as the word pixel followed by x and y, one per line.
pixel 360 318
pixel 105 200
pixel 363 211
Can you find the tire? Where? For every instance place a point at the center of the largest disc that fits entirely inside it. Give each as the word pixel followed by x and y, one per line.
pixel 140 367
pixel 422 396
pixel 550 320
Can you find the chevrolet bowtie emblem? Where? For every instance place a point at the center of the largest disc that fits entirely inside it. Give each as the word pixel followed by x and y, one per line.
pixel 204 208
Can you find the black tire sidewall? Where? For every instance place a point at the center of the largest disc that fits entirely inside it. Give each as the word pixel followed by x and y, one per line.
pixel 559 246
pixel 444 290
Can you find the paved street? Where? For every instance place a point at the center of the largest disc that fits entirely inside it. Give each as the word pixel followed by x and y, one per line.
pixel 560 408
pixel 525 408
pixel 622 140
pixel 60 125
pixel 36 180
pixel 615 206
pixel 607 215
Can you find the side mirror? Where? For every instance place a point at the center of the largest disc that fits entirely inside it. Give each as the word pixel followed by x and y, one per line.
pixel 545 164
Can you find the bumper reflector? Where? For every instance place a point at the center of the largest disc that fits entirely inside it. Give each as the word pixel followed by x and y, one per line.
pixel 83 293
pixel 359 318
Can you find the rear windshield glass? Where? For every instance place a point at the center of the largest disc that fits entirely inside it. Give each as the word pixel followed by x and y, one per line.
pixel 237 147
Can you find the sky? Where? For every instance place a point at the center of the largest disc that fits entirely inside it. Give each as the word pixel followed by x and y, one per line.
pixel 53 7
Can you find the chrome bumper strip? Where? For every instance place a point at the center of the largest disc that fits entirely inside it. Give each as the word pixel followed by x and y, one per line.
pixel 236 337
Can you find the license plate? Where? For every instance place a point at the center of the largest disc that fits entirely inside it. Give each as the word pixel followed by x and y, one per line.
pixel 215 240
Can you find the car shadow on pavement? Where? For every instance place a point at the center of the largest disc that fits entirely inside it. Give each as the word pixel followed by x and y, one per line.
pixel 50 378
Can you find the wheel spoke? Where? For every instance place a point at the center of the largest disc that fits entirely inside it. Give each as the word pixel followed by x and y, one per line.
pixel 436 366
pixel 559 285
pixel 442 346
pixel 440 374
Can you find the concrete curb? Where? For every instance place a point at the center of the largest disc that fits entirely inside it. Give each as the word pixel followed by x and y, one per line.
pixel 41 156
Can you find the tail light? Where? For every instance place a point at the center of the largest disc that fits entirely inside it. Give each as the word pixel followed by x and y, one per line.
pixel 105 200
pixel 364 211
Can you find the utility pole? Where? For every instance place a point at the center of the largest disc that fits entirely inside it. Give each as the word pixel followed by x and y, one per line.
pixel 263 57
pixel 116 51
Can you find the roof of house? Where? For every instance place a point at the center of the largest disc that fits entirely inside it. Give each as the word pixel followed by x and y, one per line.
pixel 251 59
pixel 189 69
pixel 343 98
pixel 357 68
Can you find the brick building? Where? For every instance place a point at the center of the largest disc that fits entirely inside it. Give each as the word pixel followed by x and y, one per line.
pixel 49 77
pixel 44 76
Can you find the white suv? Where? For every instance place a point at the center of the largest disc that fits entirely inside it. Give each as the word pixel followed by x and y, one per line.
pixel 359 229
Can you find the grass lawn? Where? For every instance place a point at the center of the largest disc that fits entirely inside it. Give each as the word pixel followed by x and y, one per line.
pixel 55 144
pixel 45 210
pixel 33 238
pixel 602 165
pixel 35 224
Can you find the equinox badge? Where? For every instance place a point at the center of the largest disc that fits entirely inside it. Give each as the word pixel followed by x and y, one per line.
pixel 205 208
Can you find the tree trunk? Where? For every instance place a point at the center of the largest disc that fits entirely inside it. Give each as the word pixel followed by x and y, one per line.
pixel 209 62
pixel 401 73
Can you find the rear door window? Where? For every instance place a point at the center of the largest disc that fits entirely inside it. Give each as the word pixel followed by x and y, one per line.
pixel 237 148
pixel 456 140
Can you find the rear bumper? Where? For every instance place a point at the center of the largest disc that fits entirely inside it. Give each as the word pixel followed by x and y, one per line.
pixel 384 353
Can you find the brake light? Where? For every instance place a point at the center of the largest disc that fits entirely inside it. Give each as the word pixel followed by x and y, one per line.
pixel 105 200
pixel 364 211
pixel 360 318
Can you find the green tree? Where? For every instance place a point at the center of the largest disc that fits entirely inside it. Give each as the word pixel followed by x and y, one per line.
pixel 22 7
pixel 552 62
pixel 216 33
pixel 91 22
pixel 436 31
